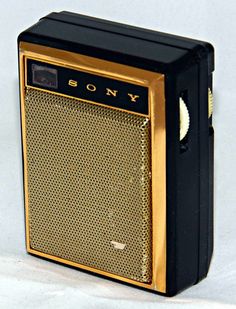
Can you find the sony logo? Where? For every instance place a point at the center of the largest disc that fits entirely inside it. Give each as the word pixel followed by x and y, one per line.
pixel 108 91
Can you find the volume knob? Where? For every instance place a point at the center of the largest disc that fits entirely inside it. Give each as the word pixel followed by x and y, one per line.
pixel 184 119
pixel 210 103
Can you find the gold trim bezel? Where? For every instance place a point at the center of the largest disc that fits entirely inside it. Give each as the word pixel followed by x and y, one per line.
pixel 156 100
pixel 82 68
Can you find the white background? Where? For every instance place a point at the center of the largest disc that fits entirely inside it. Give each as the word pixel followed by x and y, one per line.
pixel 28 282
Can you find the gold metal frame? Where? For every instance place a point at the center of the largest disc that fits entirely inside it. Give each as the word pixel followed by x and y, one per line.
pixel 155 82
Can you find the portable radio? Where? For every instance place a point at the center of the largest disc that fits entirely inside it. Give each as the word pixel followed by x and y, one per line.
pixel 117 145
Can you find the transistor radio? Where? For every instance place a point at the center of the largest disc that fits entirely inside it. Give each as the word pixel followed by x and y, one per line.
pixel 117 145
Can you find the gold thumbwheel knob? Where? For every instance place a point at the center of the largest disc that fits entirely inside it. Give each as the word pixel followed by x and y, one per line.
pixel 210 103
pixel 184 119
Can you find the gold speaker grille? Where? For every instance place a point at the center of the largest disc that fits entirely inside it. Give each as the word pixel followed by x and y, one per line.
pixel 89 184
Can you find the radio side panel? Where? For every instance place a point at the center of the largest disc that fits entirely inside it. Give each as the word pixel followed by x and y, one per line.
pixel 190 165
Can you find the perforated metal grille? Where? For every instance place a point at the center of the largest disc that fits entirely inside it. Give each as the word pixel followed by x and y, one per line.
pixel 89 184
